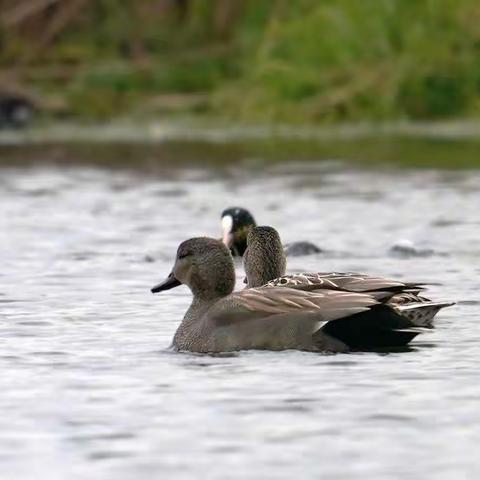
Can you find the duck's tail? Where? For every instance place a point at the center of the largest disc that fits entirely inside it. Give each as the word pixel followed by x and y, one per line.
pixel 379 327
pixel 422 314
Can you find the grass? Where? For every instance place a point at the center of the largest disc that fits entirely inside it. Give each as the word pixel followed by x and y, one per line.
pixel 376 59
pixel 273 61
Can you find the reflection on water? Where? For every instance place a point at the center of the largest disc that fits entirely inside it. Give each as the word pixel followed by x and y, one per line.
pixel 90 389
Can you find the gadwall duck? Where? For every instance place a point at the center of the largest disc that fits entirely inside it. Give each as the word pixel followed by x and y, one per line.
pixel 264 259
pixel 265 263
pixel 237 222
pixel 273 318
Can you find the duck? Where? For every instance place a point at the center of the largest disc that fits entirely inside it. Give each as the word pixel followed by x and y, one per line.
pixel 237 222
pixel 275 318
pixel 265 265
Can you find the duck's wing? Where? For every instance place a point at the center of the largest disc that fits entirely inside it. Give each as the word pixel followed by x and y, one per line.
pixel 279 318
pixel 404 297
pixel 349 282
pixel 408 298
pixel 263 302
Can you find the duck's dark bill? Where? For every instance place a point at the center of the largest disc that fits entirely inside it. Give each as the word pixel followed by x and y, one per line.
pixel 170 282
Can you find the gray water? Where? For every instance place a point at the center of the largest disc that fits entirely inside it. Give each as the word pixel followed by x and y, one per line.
pixel 89 389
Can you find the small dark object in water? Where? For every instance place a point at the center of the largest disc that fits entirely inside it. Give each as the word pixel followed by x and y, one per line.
pixel 406 249
pixel 297 249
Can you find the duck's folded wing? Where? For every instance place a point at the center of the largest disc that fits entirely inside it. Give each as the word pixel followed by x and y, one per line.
pixel 255 303
pixel 351 282
pixel 279 318
pixel 408 298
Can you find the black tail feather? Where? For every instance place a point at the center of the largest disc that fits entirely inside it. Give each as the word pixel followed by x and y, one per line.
pixel 379 327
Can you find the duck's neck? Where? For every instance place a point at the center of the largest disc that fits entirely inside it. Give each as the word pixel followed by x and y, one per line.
pixel 240 241
pixel 239 247
pixel 263 265
pixel 196 310
pixel 192 326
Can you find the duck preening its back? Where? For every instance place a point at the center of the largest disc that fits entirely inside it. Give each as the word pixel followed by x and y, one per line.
pixel 275 317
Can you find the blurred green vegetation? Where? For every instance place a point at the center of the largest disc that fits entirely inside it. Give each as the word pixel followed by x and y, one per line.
pixel 303 61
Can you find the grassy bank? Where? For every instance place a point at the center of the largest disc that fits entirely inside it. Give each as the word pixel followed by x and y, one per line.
pixel 271 61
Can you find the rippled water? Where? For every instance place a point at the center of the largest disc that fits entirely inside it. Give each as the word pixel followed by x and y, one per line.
pixel 89 389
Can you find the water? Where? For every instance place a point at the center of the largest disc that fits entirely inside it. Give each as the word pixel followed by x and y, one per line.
pixel 90 390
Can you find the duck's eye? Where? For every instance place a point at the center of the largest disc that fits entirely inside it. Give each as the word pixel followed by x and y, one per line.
pixel 183 254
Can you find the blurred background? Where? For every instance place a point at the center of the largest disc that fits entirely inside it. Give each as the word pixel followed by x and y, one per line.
pixel 272 61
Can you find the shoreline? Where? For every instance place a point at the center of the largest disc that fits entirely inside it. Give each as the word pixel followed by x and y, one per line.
pixel 209 131
pixel 148 145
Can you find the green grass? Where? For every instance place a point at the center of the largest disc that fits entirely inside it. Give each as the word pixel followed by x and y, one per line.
pixel 375 59
pixel 306 61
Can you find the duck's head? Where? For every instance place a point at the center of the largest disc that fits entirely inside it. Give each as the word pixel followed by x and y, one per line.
pixel 236 224
pixel 205 265
pixel 264 258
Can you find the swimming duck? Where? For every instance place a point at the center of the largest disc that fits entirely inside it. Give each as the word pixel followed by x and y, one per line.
pixel 273 317
pixel 237 222
pixel 265 263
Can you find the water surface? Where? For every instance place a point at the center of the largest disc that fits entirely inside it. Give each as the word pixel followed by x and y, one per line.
pixel 89 388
